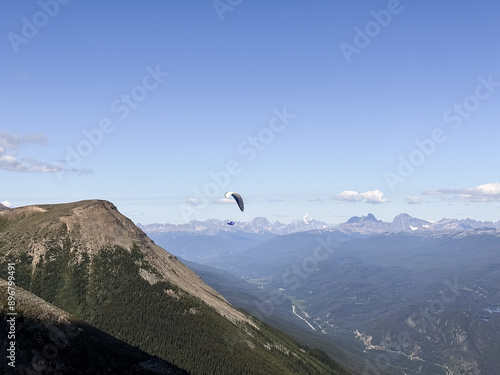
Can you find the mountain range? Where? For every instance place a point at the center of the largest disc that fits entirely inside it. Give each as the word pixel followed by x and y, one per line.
pixel 404 223
pixel 355 225
pixel 214 243
pixel 258 225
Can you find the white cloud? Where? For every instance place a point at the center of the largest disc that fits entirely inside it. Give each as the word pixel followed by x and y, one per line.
pixel 192 201
pixel 413 199
pixel 6 204
pixel 348 195
pixel 195 203
pixel 482 193
pixel 372 197
pixel 9 146
pixel 13 141
pixel 225 201
pixel 489 189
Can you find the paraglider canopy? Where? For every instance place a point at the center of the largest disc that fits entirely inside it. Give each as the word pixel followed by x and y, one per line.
pixel 237 198
pixel 231 223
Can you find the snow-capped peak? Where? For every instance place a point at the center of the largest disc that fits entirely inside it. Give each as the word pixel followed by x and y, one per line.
pixel 307 218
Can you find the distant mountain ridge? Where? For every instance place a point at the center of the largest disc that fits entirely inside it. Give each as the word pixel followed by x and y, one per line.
pixel 364 225
pixel 404 223
pixel 258 225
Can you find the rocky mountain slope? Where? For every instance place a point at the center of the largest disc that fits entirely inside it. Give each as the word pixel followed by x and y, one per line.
pixel 91 261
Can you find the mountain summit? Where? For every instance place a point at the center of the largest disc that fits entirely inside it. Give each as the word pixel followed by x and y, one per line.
pixel 89 260
pixel 364 219
pixel 405 223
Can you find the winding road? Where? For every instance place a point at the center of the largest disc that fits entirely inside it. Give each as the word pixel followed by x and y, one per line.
pixel 293 310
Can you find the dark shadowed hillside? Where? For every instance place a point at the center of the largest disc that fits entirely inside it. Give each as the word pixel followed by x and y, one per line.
pixel 48 340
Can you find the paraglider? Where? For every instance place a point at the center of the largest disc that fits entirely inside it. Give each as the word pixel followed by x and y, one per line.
pixel 237 198
pixel 239 201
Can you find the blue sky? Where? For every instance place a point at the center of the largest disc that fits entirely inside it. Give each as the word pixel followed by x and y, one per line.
pixel 334 109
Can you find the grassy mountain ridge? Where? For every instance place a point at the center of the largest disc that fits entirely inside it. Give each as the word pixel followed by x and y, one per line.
pixel 91 261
